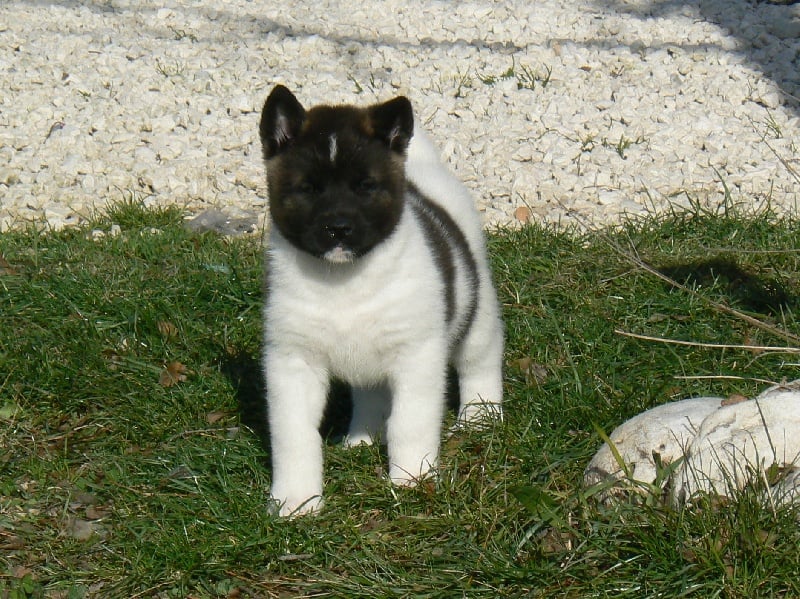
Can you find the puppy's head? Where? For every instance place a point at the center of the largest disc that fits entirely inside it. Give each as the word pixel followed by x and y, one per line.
pixel 335 174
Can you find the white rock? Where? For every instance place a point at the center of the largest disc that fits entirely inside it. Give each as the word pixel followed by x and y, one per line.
pixel 785 27
pixel 609 197
pixel 59 216
pixel 71 164
pixel 722 447
pixel 242 103
pixel 740 442
pixel 8 176
pixel 88 183
pixel 665 430
pixel 787 487
pixel 145 156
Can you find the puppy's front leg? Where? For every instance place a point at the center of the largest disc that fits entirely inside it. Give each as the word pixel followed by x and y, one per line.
pixel 296 395
pixel 413 429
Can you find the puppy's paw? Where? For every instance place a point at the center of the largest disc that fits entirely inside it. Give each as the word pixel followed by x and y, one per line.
pixel 479 412
pixel 294 506
pixel 401 477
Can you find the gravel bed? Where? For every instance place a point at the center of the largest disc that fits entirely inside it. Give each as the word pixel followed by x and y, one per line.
pixel 551 110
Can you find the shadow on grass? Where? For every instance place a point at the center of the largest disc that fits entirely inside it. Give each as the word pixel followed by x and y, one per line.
pixel 752 291
pixel 244 372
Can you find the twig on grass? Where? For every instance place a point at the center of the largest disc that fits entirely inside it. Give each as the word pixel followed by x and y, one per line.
pixel 772 330
pixel 723 377
pixel 731 250
pixel 758 348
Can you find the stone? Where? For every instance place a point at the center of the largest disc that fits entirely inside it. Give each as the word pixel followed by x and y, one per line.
pixel 8 176
pixel 706 445
pixel 785 28
pixel 222 223
pixel 737 443
pixel 665 431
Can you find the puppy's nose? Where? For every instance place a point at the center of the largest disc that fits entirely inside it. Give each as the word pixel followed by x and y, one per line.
pixel 339 228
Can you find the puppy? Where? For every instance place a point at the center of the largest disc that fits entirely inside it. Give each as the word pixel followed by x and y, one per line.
pixel 376 274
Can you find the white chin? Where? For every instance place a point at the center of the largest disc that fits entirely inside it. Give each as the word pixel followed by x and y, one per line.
pixel 339 255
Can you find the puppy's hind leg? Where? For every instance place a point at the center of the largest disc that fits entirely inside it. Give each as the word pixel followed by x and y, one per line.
pixel 479 364
pixel 370 409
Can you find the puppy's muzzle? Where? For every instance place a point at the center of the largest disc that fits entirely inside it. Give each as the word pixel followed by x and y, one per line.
pixel 339 229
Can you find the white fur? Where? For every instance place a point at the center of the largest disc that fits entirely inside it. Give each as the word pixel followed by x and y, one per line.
pixel 379 323
pixel 332 143
pixel 339 255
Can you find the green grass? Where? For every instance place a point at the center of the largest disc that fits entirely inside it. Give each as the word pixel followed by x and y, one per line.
pixel 115 485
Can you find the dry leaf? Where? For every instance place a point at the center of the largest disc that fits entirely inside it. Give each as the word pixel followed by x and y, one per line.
pixel 214 417
pixel 657 317
pixel 524 363
pixel 81 530
pixel 181 472
pixel 5 267
pixel 173 373
pixel 532 371
pixel 732 400
pixel 21 572
pixel 85 498
pixel 523 214
pixel 113 358
pixel 10 542
pixel 96 513
pixel 167 329
pixel 748 340
pixel 557 542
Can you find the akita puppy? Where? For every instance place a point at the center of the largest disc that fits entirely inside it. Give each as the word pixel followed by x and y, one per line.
pixel 377 275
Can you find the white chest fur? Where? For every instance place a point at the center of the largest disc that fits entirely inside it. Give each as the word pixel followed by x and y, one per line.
pixel 354 319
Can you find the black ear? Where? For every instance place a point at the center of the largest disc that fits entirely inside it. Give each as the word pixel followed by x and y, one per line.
pixel 281 120
pixel 393 122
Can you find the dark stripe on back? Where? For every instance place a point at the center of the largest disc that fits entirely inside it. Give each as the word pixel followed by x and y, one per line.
pixel 447 242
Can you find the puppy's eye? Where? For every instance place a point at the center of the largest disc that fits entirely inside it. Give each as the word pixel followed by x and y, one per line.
pixel 367 185
pixel 304 187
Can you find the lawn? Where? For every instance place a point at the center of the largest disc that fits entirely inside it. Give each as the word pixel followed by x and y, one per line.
pixel 134 462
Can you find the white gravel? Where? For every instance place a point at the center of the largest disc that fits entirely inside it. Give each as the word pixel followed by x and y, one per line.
pixel 571 109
